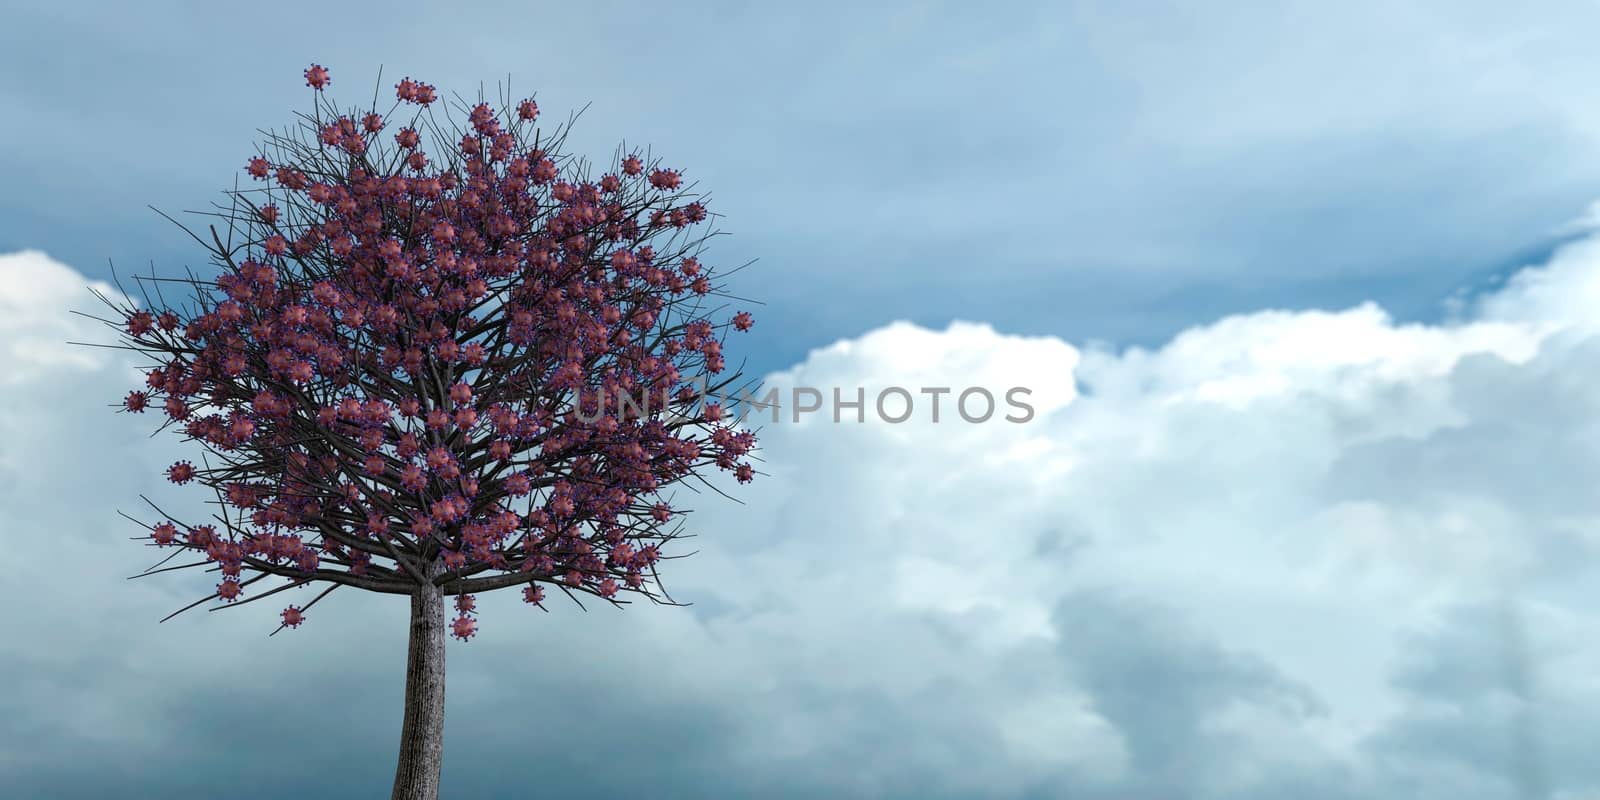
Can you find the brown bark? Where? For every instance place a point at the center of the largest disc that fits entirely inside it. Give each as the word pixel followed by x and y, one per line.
pixel 416 777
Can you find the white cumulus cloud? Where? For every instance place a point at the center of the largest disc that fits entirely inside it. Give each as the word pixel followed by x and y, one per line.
pixel 1318 554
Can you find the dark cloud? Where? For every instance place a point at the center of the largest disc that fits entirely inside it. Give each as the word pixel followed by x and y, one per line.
pixel 1079 169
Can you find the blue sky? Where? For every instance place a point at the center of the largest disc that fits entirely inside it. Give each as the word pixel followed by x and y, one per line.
pixel 1325 270
pixel 1110 171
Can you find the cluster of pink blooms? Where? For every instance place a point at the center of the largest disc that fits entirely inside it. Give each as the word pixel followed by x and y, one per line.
pixel 392 365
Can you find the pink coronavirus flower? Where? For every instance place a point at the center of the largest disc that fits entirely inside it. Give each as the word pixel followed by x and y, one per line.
pixel 519 485
pixel 665 179
pixel 414 92
pixel 317 77
pixel 164 533
pixel 413 479
pixel 292 617
pixel 140 323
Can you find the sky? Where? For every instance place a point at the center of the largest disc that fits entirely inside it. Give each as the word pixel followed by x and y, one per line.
pixel 1302 293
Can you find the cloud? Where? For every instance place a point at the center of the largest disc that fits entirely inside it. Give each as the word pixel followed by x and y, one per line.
pixel 1308 554
pixel 36 289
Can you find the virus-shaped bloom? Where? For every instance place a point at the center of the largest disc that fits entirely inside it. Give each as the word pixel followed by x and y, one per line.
pixel 317 77
pixel 140 323
pixel 413 479
pixel 164 533
pixel 411 91
pixel 665 179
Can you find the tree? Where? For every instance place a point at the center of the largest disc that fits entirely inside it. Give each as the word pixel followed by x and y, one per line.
pixel 442 361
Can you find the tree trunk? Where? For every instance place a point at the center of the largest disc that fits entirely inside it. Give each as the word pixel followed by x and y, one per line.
pixel 416 777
